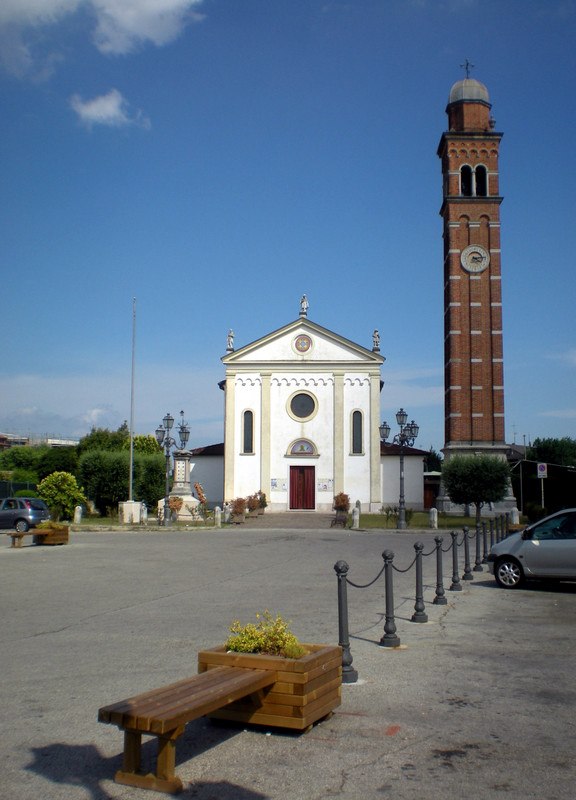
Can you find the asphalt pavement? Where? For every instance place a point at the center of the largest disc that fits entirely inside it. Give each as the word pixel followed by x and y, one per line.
pixel 479 701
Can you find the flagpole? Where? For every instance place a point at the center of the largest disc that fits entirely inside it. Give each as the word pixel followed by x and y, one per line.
pixel 131 469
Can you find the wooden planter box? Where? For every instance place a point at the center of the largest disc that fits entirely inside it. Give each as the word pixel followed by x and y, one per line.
pixel 306 689
pixel 50 536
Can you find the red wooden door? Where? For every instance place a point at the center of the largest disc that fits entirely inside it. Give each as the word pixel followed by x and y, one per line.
pixel 302 481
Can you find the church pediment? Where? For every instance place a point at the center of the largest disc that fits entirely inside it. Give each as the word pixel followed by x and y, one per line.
pixel 305 342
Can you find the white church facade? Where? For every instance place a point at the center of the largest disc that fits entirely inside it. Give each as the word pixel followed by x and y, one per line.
pixel 301 423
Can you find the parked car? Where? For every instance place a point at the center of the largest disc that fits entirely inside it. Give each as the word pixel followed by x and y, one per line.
pixel 22 513
pixel 545 549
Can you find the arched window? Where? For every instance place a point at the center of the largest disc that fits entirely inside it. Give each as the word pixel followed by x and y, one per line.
pixel 357 433
pixel 248 432
pixel 481 181
pixel 466 181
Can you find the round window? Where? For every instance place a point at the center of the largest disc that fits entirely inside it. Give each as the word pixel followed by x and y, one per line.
pixel 302 405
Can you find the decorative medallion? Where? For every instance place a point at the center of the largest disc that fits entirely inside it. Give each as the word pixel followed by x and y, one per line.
pixel 302 343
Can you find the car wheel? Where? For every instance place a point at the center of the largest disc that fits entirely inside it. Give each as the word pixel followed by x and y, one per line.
pixel 508 573
pixel 22 526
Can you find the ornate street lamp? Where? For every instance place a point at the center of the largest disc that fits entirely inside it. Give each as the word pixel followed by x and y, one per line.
pixel 166 441
pixel 406 437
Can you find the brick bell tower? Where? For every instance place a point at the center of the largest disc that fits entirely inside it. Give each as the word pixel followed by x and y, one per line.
pixel 473 354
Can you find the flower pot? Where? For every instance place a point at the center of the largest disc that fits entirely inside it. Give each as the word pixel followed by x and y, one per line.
pixel 306 689
pixel 51 536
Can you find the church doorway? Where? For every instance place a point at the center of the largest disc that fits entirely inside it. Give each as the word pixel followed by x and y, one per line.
pixel 302 481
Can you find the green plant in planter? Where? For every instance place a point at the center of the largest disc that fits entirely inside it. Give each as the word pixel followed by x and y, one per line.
pixel 262 499
pixel 49 525
pixel 268 635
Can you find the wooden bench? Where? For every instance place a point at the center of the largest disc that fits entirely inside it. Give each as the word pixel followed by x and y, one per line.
pixel 164 713
pixel 49 537
pixel 341 518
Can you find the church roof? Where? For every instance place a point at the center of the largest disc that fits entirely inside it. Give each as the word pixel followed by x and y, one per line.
pixel 324 346
pixel 468 89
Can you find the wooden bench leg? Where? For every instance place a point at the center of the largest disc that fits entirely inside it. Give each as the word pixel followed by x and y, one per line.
pixel 164 780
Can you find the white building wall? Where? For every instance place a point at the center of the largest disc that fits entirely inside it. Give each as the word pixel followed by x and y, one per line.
pixel 248 393
pixel 209 472
pixel 413 481
pixel 285 430
pixel 357 466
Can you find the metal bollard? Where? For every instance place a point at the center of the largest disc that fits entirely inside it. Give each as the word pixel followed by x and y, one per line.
pixel 478 559
pixel 419 614
pixel 455 586
pixel 349 674
pixel 389 639
pixel 467 568
pixel 440 599
pixel 484 544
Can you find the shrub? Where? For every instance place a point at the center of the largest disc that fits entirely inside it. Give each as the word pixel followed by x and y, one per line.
pixel 342 502
pixel 61 494
pixel 238 505
pixel 268 635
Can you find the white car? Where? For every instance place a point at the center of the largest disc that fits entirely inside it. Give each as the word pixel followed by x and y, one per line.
pixel 545 549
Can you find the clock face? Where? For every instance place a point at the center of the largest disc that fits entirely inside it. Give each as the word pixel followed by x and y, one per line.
pixel 302 343
pixel 474 258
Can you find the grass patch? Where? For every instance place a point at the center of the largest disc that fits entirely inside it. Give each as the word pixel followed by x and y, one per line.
pixel 418 521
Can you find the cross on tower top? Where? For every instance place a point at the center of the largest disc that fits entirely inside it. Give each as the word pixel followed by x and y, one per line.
pixel 467 66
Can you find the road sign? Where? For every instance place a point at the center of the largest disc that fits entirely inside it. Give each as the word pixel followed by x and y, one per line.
pixel 542 470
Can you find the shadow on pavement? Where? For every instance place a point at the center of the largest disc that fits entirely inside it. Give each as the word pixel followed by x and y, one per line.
pixel 85 767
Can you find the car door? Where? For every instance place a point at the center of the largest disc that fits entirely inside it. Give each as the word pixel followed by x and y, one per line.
pixel 552 549
pixel 8 512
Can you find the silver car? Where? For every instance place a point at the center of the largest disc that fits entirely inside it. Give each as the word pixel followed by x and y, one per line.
pixel 545 549
pixel 22 513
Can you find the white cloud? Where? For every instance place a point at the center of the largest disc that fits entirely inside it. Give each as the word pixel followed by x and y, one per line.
pixel 569 357
pixel 121 26
pixel 561 413
pixel 108 109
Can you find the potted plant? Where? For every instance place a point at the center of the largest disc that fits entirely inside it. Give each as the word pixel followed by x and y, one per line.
pixel 308 676
pixel 341 502
pixel 262 502
pixel 238 509
pixel 252 504
pixel 51 532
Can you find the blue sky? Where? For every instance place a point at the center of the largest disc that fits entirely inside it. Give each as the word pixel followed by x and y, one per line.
pixel 217 159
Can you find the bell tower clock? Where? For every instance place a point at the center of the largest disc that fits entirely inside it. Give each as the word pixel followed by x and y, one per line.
pixel 473 355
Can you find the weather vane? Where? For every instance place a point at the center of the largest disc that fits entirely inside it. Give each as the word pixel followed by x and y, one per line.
pixel 467 66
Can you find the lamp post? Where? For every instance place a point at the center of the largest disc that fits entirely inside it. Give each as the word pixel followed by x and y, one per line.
pixel 408 432
pixel 166 441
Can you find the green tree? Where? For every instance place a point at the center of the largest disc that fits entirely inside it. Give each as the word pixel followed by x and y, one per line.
pixel 143 444
pixel 553 451
pixel 61 493
pixel 476 480
pixel 57 459
pixel 149 478
pixel 104 475
pixel 433 461
pixel 23 458
pixel 104 439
